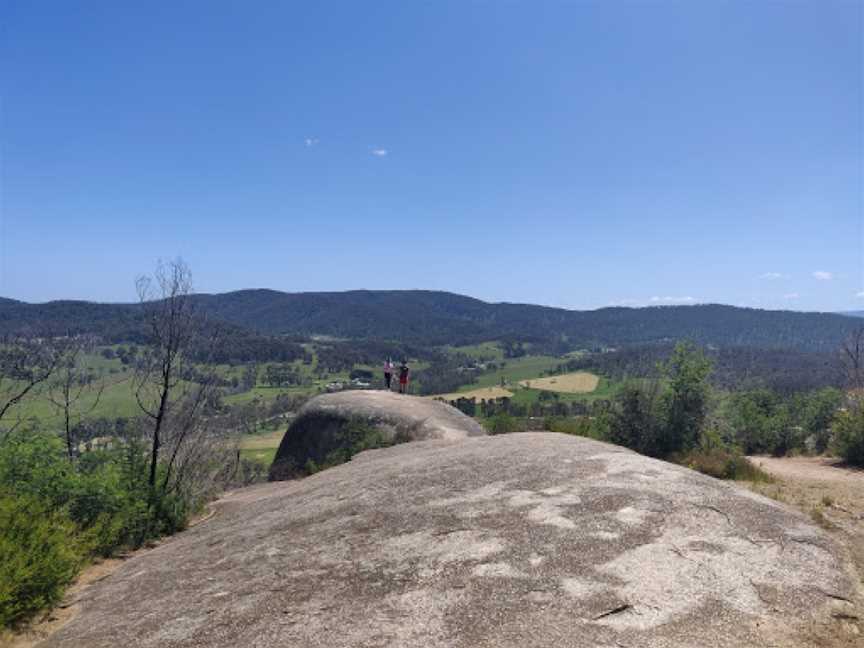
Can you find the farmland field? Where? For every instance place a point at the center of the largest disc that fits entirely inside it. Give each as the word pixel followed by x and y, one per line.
pixel 263 456
pixel 261 447
pixel 262 441
pixel 579 382
pixel 487 393
pixel 513 370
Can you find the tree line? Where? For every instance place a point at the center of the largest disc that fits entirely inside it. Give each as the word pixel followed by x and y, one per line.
pixel 676 413
pixel 266 322
pixel 732 368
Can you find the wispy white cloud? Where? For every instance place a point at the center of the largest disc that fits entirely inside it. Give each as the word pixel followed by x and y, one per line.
pixel 860 294
pixel 311 141
pixel 657 299
pixel 773 276
pixel 380 152
pixel 793 295
pixel 823 275
pixel 672 300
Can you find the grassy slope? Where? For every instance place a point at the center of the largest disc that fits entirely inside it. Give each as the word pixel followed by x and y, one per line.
pixel 116 399
pixel 261 447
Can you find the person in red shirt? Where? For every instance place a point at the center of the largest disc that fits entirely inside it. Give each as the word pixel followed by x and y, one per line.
pixel 403 377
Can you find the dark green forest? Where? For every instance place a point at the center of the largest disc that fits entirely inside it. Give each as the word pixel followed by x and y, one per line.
pixel 428 318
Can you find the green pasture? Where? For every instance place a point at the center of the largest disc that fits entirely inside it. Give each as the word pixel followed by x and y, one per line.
pixel 263 456
pixel 117 400
pixel 261 447
pixel 514 370
pixel 489 351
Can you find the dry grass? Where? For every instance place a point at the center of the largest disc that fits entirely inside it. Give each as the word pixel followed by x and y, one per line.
pixel 723 464
pixel 580 382
pixel 483 393
pixel 833 497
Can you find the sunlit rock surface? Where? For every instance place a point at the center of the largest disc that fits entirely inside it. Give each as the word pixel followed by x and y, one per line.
pixel 533 539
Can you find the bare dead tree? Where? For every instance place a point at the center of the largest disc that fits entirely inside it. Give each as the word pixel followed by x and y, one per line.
pixel 186 432
pixel 173 327
pixel 246 417
pixel 175 395
pixel 203 451
pixel 25 363
pixel 72 391
pixel 852 359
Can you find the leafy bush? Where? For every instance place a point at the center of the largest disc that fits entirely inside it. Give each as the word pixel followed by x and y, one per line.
pixel 765 421
pixel 105 494
pixel 63 513
pixel 355 436
pixel 814 412
pixel 501 423
pixel 848 434
pixel 637 420
pixel 33 464
pixel 686 401
pixel 38 556
pixel 760 419
pixel 348 439
pixel 585 426
pixel 663 418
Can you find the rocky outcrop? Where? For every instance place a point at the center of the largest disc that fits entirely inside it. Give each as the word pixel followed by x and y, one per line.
pixel 511 541
pixel 320 427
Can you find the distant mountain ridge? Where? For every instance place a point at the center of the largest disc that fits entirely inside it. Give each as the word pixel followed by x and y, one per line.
pixel 437 318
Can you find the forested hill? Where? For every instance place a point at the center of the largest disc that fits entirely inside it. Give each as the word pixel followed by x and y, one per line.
pixel 435 318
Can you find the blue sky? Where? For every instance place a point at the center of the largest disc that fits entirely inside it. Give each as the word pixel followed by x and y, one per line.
pixel 577 154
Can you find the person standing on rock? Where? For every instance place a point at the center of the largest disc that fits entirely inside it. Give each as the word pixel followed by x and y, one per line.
pixel 388 373
pixel 403 377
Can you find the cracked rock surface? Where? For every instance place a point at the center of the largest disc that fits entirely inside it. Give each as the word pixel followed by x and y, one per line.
pixel 520 540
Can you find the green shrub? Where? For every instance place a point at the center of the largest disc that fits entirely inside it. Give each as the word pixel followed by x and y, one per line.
pixel 636 422
pixel 578 426
pixel 761 421
pixel 34 464
pixel 848 434
pixel 813 412
pixel 39 556
pixel 64 512
pixel 501 423
pixel 686 400
pixel 105 493
pixel 355 436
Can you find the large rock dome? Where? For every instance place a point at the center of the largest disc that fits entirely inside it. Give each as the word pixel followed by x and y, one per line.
pixel 513 541
pixel 318 429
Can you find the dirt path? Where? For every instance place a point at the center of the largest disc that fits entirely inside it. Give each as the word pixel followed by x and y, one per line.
pixel 813 469
pixel 833 496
